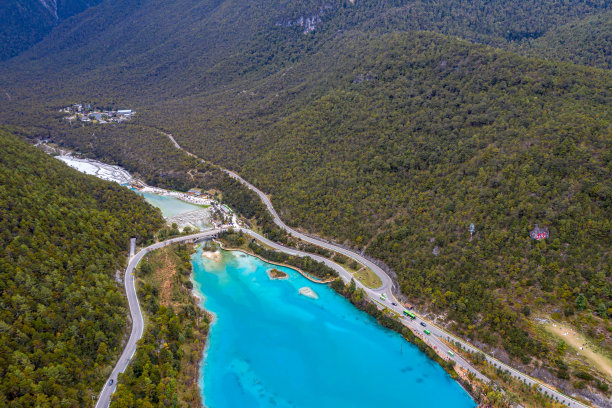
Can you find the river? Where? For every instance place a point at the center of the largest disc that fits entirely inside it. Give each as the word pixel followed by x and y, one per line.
pixel 169 206
pixel 270 346
pixel 173 209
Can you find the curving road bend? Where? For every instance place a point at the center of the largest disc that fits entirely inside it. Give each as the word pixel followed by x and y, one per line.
pixel 435 339
pixel 137 321
pixel 437 333
pixel 387 282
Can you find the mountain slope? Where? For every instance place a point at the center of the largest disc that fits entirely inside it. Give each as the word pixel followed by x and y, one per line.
pixel 26 22
pixel 62 237
pixel 205 42
pixel 442 135
pixel 387 139
pixel 586 42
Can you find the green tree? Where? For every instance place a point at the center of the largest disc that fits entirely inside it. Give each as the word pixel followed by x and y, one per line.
pixel 602 309
pixel 581 302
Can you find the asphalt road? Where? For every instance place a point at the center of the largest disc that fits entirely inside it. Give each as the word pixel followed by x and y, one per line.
pixel 437 333
pixel 137 322
pixel 387 282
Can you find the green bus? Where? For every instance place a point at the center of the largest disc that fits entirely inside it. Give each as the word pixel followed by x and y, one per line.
pixel 426 332
pixel 450 353
pixel 409 314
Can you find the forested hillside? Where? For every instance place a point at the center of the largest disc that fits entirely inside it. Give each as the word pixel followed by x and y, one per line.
pixel 166 376
pixel 197 45
pixel 586 42
pixel 374 134
pixel 445 134
pixel 62 315
pixel 26 22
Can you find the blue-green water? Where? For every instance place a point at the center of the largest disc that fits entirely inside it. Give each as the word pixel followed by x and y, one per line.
pixel 169 206
pixel 272 347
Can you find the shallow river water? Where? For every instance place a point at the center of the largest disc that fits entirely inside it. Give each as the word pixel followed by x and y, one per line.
pixel 169 206
pixel 173 209
pixel 272 347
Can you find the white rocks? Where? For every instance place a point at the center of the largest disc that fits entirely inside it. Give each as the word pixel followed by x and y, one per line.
pixel 306 291
pixel 98 169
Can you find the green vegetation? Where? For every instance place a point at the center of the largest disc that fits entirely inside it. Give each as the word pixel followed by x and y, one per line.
pixel 25 22
pixel 365 131
pixel 62 315
pixel 165 369
pixel 495 22
pixel 587 42
pixel 460 138
pixel 367 277
pixel 306 264
pixel 445 133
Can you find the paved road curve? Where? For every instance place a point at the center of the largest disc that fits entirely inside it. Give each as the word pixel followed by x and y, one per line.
pixel 137 322
pixel 387 282
pixel 437 333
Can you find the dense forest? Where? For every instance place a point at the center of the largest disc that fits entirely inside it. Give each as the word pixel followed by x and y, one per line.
pixel 246 26
pixel 25 22
pixel 460 139
pixel 62 314
pixel 379 129
pixel 586 42
pixel 449 132
pixel 165 369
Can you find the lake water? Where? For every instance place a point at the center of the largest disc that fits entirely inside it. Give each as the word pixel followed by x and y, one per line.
pixel 180 212
pixel 173 209
pixel 272 347
pixel 169 206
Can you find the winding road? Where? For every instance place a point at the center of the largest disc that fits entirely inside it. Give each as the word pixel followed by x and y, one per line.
pixel 436 338
pixel 437 333
pixel 137 322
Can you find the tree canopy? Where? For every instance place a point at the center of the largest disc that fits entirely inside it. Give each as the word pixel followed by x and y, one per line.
pixel 63 235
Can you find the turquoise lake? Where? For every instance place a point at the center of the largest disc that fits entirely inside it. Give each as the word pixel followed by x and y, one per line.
pixel 272 347
pixel 169 206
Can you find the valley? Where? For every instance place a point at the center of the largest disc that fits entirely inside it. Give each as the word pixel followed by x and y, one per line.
pixel 454 156
pixel 434 336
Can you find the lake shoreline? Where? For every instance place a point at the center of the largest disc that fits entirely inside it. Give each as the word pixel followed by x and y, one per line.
pixel 230 301
pixel 301 272
pixel 470 386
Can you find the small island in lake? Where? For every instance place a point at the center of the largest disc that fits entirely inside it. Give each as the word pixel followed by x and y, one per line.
pixel 276 274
